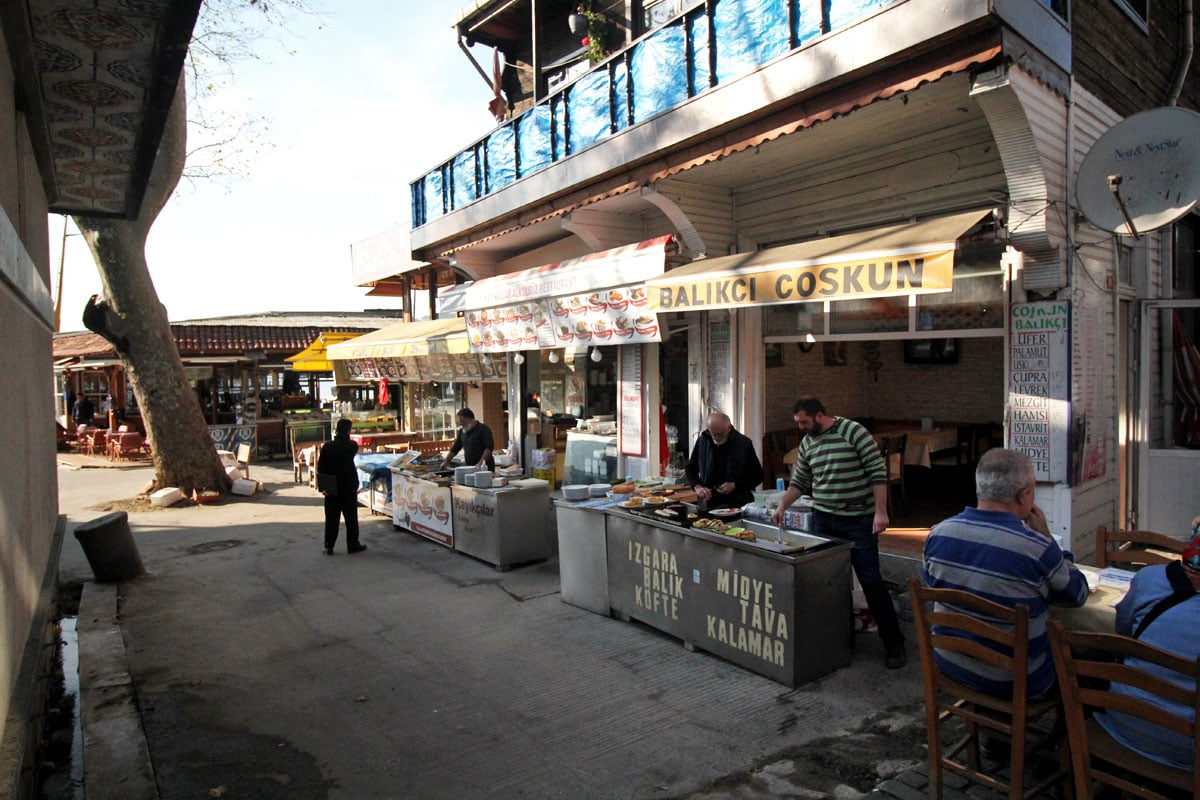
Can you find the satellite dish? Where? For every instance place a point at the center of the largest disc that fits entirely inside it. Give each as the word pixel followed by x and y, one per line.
pixel 1143 173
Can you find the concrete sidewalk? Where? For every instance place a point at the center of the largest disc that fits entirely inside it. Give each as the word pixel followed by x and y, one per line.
pixel 255 665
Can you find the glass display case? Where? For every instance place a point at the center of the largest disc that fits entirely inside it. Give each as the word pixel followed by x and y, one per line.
pixel 590 458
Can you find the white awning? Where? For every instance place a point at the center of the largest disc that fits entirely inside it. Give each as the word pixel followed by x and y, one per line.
pixel 628 265
pixel 405 339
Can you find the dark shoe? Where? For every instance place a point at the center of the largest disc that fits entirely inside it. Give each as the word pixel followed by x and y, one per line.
pixel 328 551
pixel 358 548
pixel 895 659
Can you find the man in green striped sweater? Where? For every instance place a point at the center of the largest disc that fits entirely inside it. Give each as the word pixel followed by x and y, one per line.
pixel 839 464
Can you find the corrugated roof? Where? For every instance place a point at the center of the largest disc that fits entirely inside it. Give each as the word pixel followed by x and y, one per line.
pixel 274 333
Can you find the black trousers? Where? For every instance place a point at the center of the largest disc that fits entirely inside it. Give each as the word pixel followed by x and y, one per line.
pixel 335 508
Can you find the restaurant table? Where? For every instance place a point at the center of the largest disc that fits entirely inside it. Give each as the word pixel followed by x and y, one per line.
pixel 781 610
pixel 1099 613
pixel 918 451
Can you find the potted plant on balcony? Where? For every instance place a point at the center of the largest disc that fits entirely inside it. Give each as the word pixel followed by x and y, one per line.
pixel 597 29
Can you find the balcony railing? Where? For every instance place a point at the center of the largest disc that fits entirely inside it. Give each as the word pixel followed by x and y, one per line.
pixel 703 48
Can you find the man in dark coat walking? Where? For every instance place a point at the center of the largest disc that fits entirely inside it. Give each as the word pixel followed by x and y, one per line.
pixel 341 500
pixel 724 469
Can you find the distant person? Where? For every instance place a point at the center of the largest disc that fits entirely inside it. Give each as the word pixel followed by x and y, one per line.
pixel 723 468
pixel 83 411
pixel 1161 608
pixel 1002 551
pixel 341 500
pixel 839 464
pixel 475 441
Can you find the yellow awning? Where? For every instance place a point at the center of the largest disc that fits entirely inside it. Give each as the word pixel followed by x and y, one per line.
pixel 406 339
pixel 313 357
pixel 897 260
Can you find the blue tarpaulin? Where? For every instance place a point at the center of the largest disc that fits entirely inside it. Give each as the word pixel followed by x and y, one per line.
pixel 533 139
pixel 658 67
pixel 589 106
pixel 843 12
pixel 434 207
pixel 501 158
pixel 748 34
pixel 465 191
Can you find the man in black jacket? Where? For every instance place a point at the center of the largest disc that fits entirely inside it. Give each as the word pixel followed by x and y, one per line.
pixel 724 469
pixel 337 459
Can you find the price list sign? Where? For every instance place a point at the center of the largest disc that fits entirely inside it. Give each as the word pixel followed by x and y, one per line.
pixel 630 389
pixel 1039 381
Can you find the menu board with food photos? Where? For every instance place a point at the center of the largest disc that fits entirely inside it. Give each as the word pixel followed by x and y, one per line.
pixel 434 367
pixel 612 316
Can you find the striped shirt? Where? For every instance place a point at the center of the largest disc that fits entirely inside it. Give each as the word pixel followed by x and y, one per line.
pixel 838 467
pixel 993 554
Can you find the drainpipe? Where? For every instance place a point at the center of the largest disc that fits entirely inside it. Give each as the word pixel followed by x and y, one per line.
pixel 1185 53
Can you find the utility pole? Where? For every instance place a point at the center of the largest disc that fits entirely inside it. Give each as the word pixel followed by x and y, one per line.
pixel 62 257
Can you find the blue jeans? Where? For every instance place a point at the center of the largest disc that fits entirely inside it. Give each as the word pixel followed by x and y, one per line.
pixel 864 558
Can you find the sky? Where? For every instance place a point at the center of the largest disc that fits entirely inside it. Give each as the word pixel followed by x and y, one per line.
pixel 359 102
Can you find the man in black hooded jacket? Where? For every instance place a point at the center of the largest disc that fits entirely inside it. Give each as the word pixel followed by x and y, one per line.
pixel 724 469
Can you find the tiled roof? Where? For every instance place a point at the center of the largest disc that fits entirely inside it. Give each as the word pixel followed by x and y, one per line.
pixel 275 334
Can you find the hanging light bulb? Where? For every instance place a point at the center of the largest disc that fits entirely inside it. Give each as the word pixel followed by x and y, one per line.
pixel 809 338
pixel 485 359
pixel 596 356
pixel 553 356
pixel 519 359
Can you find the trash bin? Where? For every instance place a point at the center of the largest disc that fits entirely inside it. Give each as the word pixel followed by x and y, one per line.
pixel 111 552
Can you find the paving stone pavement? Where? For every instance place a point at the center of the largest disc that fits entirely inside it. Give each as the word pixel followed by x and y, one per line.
pixel 411 671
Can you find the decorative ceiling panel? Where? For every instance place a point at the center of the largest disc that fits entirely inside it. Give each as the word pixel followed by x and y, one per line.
pixel 106 73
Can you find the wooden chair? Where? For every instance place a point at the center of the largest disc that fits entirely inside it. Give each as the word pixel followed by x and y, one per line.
pixel 1087 665
pixel 964 452
pixel 242 456
pixel 892 449
pixel 125 445
pixel 1031 727
pixel 1135 549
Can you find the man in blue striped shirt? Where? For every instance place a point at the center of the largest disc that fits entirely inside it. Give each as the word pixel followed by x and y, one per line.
pixel 1003 551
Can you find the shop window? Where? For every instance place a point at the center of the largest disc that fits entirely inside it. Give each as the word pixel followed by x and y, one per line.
pixel 977 302
pixel 1175 416
pixel 434 406
pixel 794 319
pixel 870 315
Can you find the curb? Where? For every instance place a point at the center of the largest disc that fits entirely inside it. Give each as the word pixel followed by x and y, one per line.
pixel 114 743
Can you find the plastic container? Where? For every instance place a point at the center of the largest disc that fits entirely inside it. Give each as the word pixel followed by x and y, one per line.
pixel 483 479
pixel 461 473
pixel 244 487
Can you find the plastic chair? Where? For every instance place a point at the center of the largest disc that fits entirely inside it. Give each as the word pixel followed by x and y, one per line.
pixel 892 449
pixel 999 636
pixel 1087 665
pixel 1134 549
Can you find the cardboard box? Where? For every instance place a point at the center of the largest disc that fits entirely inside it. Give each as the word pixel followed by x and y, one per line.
pixel 244 487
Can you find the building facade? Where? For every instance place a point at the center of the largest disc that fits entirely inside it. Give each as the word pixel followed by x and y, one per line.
pixel 877 203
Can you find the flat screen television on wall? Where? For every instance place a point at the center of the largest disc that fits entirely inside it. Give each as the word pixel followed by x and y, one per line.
pixel 931 351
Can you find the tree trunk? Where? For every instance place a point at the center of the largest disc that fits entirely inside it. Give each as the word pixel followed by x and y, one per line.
pixel 182 449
